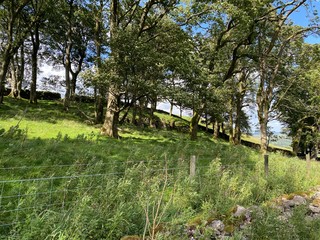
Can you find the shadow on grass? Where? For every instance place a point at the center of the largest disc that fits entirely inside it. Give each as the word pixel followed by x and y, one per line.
pixel 48 111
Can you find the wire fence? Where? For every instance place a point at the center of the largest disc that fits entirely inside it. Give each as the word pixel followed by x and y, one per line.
pixel 27 190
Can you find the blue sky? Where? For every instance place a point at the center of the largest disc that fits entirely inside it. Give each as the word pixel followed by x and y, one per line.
pixel 304 16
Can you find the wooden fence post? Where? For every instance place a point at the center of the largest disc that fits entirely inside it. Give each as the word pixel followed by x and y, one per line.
pixel 266 165
pixel 192 166
pixel 308 163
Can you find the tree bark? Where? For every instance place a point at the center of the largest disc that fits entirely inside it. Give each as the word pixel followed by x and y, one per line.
pixel 171 108
pixel 216 130
pixel 13 80
pixel 98 106
pixel 153 108
pixel 34 62
pixel 75 74
pixel 66 103
pixel 99 90
pixel 20 71
pixel 263 102
pixel 296 141
pixel 141 112
pixel 67 62
pixel 3 72
pixel 241 91
pixel 231 136
pixel 237 127
pixel 110 126
pixel 194 126
pixel 134 113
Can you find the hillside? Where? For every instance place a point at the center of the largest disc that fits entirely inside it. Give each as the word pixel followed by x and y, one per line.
pixel 60 179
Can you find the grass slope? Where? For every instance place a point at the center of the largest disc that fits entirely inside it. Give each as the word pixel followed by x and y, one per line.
pixel 80 185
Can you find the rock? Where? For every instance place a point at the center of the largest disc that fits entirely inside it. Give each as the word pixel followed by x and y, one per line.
pixel 240 211
pixel 217 226
pixel 316 216
pixel 287 204
pixel 280 208
pixel 314 209
pixel 298 200
pixel 316 202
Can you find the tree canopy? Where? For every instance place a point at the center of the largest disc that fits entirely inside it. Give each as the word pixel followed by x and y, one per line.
pixel 216 58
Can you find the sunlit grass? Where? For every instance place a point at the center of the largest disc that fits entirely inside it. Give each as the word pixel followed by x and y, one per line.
pixel 51 142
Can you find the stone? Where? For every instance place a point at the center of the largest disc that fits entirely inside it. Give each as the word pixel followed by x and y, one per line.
pixel 240 211
pixel 314 209
pixel 298 200
pixel 217 226
pixel 287 204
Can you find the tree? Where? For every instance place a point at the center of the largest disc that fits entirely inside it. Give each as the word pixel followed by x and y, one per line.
pixel 273 59
pixel 122 15
pixel 67 38
pixel 227 28
pixel 14 31
pixel 98 8
pixel 299 108
pixel 17 72
pixel 39 8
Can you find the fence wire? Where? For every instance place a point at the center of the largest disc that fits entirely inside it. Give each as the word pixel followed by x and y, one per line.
pixel 26 190
pixel 33 189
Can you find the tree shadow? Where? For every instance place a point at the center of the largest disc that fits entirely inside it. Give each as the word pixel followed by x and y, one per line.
pixel 44 110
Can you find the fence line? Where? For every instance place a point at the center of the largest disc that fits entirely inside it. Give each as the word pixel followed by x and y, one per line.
pixel 80 164
pixel 17 193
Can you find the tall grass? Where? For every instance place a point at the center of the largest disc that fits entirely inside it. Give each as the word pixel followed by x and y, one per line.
pixel 138 185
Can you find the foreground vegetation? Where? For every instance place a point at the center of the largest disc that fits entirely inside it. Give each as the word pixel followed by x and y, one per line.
pixel 60 179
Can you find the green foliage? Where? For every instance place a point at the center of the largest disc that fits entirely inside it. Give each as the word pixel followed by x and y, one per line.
pixel 268 225
pixel 112 188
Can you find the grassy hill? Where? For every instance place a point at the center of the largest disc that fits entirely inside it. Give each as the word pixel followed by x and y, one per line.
pixel 60 179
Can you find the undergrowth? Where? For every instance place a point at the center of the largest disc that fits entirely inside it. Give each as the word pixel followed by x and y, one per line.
pixel 80 185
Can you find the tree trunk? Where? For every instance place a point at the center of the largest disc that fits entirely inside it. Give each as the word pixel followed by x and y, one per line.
pixel 207 122
pixel 66 103
pixel 99 90
pixel 134 113
pixel 296 141
pixel 3 72
pixel 264 136
pixel 98 113
pixel 34 62
pixel 216 130
pixel 194 125
pixel 73 83
pixel 171 108
pixel 141 112
pixel 153 108
pixel 231 136
pixel 75 74
pixel 20 71
pixel 13 80
pixel 67 61
pixel 110 126
pixel 237 127
pixel 263 97
pixel 241 92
